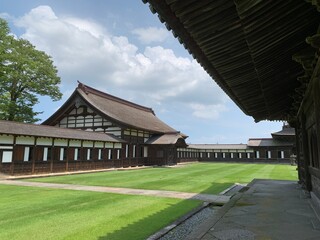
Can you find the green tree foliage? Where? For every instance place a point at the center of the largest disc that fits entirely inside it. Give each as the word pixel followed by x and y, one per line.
pixel 25 74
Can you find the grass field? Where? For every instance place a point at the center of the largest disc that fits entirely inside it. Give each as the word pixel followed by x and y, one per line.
pixel 38 213
pixel 199 177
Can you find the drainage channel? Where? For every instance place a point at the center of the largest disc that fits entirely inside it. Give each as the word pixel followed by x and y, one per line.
pixel 182 227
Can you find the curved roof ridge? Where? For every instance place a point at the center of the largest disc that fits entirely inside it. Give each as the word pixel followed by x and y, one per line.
pixel 86 89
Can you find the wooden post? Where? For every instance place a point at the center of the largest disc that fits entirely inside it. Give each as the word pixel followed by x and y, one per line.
pixel 67 155
pixel 34 154
pixel 306 156
pixel 52 155
pixel 13 153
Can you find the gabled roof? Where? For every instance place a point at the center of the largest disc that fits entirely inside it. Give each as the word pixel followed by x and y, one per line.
pixel 285 131
pixel 168 139
pixel 115 109
pixel 24 129
pixel 247 47
pixel 268 142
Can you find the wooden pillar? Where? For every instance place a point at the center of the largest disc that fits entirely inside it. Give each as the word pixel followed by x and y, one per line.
pixel 34 154
pixel 306 156
pixel 67 155
pixel 104 154
pixel 52 155
pixel 298 152
pixel 13 154
pixel 316 99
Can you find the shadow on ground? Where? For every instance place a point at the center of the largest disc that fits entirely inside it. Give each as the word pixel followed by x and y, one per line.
pixel 146 225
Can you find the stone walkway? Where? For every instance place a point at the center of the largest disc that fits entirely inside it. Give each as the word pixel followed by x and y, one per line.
pixel 216 199
pixel 270 209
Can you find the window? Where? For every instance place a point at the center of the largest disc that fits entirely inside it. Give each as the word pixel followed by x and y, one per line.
pixel 99 154
pixel 257 154
pixel 62 154
pixel 134 151
pixel 26 156
pixel 76 154
pixel 118 153
pixel 231 155
pixel 127 150
pixel 89 154
pixel 208 155
pixel 45 154
pixel 239 155
pixel 6 156
pixel 145 151
pixel 268 154
pixel 248 155
pixel 216 155
pixel 223 155
pixel 109 154
pixel 280 154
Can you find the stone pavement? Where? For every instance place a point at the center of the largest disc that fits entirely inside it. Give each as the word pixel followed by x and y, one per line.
pixel 267 210
pixel 216 199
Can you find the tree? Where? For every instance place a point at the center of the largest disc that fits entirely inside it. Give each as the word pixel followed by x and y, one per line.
pixel 25 74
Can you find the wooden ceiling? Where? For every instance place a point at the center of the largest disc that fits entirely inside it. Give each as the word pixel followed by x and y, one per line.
pixel 246 46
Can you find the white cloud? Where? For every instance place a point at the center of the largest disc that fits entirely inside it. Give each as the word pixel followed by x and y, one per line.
pixel 151 34
pixel 208 111
pixel 84 50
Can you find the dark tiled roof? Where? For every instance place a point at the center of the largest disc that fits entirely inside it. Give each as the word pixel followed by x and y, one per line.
pixel 123 111
pixel 246 47
pixel 23 129
pixel 286 131
pixel 218 146
pixel 169 138
pixel 118 110
pixel 267 142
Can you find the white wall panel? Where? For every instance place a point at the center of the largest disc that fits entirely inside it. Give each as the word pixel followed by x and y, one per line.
pixel 5 139
pixel 25 140
pixel 44 141
pixel 87 144
pixel 75 143
pixel 61 142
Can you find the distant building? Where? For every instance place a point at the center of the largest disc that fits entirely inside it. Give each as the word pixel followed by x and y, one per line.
pixel 279 148
pixel 95 130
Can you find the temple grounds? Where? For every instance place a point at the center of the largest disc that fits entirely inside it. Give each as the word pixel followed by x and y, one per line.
pixel 43 213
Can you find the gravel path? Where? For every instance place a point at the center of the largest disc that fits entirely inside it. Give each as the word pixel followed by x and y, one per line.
pixel 185 228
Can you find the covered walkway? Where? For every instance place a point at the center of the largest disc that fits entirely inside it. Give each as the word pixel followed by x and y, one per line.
pixel 269 209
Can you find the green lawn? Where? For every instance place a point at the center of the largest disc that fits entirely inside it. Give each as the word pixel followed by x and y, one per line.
pixel 199 177
pixel 38 213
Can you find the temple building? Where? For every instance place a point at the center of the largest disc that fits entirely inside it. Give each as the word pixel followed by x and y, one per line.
pixel 95 130
pixel 91 130
pixel 147 139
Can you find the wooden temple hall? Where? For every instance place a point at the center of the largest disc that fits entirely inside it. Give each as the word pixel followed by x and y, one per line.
pixel 91 130
pixel 265 56
pixel 95 130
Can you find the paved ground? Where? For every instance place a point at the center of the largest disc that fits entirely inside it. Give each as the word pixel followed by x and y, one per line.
pixel 268 210
pixel 217 199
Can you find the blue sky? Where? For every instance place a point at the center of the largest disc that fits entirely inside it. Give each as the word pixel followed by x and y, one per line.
pixel 120 47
